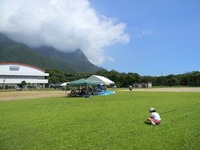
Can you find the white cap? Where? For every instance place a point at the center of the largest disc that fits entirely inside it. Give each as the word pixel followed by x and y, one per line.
pixel 152 109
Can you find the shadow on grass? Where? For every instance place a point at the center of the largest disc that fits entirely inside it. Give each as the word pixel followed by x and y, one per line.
pixel 147 123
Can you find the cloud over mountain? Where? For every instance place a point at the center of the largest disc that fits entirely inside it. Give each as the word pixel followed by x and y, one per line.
pixel 63 24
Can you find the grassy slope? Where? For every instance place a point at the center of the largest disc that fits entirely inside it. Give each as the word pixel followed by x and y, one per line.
pixel 109 122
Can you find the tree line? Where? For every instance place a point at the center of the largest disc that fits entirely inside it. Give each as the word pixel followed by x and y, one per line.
pixel 126 79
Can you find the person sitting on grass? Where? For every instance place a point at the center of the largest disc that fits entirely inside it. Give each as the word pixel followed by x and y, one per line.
pixel 154 118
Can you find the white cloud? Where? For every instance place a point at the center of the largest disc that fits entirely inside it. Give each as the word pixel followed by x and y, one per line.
pixel 63 24
pixel 140 33
pixel 147 32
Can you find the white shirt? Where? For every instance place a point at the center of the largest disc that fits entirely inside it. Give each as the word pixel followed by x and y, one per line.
pixel 155 116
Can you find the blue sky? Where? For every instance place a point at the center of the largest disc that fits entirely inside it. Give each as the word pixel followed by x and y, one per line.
pixel 164 36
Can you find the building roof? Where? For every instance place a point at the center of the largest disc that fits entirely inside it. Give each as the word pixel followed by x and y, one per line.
pixel 21 64
pixel 19 69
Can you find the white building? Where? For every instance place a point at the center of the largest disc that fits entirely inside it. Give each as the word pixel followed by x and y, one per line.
pixel 12 74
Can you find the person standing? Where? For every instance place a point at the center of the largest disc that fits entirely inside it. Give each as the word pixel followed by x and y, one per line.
pixel 130 88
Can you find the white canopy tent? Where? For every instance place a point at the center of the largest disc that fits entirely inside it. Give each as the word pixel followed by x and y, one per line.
pixel 65 83
pixel 100 80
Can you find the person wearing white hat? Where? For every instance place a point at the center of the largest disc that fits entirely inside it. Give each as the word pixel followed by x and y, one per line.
pixel 154 117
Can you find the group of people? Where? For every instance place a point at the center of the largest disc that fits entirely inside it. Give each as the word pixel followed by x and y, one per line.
pixel 83 90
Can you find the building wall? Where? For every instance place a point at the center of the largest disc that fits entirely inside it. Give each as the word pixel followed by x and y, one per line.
pixel 15 73
pixel 142 85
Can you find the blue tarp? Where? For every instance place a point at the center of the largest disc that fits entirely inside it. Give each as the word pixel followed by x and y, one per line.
pixel 105 92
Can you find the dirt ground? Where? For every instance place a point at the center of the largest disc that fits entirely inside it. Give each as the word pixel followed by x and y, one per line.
pixel 25 95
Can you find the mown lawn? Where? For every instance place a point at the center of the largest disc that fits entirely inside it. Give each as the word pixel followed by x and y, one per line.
pixel 101 122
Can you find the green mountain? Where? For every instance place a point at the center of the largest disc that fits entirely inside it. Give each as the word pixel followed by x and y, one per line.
pixel 76 60
pixel 44 57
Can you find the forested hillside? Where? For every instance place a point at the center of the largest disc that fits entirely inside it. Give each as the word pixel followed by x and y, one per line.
pixel 44 57
pixel 190 79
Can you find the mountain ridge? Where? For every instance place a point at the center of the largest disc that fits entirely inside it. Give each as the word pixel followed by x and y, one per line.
pixel 44 57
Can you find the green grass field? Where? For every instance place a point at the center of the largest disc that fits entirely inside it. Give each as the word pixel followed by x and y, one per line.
pixel 101 122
